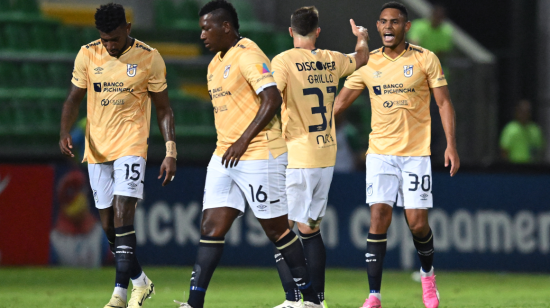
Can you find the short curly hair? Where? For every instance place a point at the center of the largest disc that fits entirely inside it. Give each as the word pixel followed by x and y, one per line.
pixel 229 13
pixel 305 20
pixel 110 16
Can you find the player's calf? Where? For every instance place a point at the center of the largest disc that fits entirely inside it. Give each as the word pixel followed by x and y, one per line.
pixel 292 293
pixel 315 253
pixel 208 256
pixel 125 246
pixel 293 252
pixel 376 251
pixel 425 249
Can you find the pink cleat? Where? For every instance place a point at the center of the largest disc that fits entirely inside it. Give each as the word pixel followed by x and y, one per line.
pixel 372 302
pixel 430 295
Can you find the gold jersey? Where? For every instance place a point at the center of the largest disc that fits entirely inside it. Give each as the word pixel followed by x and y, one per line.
pixel 400 99
pixel 234 83
pixel 119 106
pixel 308 81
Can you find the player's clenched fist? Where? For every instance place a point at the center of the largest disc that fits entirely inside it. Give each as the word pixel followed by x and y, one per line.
pixel 359 30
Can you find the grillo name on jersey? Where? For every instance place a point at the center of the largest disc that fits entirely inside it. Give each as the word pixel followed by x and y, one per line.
pixel 317 66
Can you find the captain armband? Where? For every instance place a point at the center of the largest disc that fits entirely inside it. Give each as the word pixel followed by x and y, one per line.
pixel 171 149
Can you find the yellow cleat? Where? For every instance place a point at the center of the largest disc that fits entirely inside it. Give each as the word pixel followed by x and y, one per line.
pixel 140 294
pixel 116 302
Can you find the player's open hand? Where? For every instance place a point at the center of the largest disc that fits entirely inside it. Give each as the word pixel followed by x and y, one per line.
pixel 232 156
pixel 452 155
pixel 168 165
pixel 66 144
pixel 359 30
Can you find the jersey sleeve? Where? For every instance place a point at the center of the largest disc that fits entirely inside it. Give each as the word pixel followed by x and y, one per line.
pixel 434 72
pixel 80 71
pixel 355 81
pixel 279 72
pixel 256 69
pixel 346 64
pixel 157 74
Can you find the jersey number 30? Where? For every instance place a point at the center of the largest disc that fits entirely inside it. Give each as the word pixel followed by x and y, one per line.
pixel 322 109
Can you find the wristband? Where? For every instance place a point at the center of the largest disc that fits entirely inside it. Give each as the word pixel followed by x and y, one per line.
pixel 171 149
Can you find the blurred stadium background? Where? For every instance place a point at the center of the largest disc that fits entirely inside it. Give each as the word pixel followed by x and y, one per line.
pixel 493 216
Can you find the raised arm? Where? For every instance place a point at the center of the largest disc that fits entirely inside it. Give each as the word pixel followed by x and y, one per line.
pixel 361 48
pixel 448 119
pixel 271 102
pixel 69 116
pixel 344 99
pixel 165 119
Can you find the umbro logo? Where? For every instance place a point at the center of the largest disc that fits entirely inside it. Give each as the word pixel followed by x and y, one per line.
pixel 98 70
pixel 297 279
pixel 368 255
pixel 424 197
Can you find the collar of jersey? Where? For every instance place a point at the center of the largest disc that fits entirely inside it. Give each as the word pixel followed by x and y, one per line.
pixel 306 49
pixel 396 58
pixel 219 53
pixel 129 47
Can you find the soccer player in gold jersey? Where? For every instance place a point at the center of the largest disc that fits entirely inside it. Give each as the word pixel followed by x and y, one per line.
pixel 121 75
pixel 307 78
pixel 401 78
pixel 248 165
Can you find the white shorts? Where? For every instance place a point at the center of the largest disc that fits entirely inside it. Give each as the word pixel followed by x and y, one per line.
pixel 261 183
pixel 307 192
pixel 123 177
pixel 406 180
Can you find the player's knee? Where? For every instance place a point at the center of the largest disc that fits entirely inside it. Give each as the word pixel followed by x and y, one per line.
pixel 419 228
pixel 209 228
pixel 274 235
pixel 380 219
pixel 308 228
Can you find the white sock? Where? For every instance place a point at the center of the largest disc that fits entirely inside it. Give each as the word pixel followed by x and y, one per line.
pixel 377 295
pixel 123 293
pixel 428 274
pixel 141 281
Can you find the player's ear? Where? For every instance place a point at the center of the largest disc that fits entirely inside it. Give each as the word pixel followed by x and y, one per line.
pixel 128 28
pixel 407 26
pixel 290 32
pixel 317 32
pixel 226 27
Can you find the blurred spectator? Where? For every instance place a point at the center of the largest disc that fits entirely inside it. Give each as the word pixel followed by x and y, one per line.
pixel 349 156
pixel 522 141
pixel 433 33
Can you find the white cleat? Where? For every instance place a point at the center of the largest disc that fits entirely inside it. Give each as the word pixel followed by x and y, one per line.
pixel 182 305
pixel 290 304
pixel 312 305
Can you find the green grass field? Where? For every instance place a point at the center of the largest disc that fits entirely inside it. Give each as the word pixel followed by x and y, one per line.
pixel 251 287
